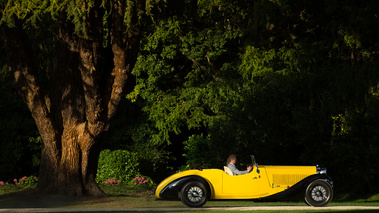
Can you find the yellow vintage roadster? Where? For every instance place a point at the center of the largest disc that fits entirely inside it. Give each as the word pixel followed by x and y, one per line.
pixel 264 183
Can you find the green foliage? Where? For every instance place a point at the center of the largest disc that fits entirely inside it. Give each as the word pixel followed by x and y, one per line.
pixel 78 12
pixel 197 149
pixel 18 9
pixel 118 165
pixel 154 159
pixel 26 181
pixel 185 93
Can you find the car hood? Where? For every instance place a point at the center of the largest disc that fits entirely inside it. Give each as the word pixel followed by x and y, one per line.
pixel 286 176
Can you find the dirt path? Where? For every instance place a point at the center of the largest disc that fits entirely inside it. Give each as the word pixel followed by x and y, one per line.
pixel 252 208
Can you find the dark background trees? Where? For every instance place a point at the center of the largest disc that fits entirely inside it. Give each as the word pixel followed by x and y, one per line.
pixel 292 82
pixel 280 79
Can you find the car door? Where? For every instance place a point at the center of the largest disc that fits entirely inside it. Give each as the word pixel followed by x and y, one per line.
pixel 240 186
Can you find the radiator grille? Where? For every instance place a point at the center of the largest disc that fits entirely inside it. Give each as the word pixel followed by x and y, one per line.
pixel 287 179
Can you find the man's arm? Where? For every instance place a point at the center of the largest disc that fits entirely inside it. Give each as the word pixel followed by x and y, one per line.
pixel 236 171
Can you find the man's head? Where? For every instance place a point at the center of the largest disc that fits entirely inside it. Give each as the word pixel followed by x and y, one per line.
pixel 231 159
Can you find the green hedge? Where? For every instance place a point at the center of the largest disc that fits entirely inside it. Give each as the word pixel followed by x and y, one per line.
pixel 119 165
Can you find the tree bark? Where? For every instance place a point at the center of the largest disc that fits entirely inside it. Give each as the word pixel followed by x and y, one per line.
pixel 83 96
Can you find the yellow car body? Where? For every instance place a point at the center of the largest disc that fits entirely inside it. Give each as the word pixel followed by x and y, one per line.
pixel 195 187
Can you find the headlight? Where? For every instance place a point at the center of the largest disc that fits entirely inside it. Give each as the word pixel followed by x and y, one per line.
pixel 321 170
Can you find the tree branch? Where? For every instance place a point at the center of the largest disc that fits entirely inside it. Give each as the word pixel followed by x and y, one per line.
pixel 125 48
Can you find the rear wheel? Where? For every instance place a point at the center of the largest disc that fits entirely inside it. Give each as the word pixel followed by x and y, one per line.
pixel 318 193
pixel 194 194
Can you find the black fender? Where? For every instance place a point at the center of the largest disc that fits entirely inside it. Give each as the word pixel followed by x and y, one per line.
pixel 171 190
pixel 297 191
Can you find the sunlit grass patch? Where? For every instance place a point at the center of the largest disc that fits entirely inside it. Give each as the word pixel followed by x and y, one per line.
pixel 373 198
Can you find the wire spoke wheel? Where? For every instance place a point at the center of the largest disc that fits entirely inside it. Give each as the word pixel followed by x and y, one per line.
pixel 194 194
pixel 318 193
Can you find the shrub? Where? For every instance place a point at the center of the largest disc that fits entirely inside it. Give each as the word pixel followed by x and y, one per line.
pixel 26 181
pixel 111 181
pixel 119 165
pixel 197 149
pixel 146 181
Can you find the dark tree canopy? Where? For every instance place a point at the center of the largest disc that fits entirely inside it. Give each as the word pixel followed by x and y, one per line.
pixel 290 81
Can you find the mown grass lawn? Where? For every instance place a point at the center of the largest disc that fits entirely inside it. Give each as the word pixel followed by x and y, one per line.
pixel 127 196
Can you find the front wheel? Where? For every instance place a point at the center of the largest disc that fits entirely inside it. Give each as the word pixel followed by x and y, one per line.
pixel 318 193
pixel 194 194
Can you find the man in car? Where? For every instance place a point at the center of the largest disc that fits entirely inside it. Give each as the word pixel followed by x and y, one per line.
pixel 231 164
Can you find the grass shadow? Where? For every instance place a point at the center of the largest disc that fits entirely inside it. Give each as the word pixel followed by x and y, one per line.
pixel 30 198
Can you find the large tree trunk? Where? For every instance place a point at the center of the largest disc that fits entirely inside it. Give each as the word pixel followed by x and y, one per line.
pixel 83 96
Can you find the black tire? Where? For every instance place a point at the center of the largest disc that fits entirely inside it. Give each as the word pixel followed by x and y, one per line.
pixel 318 193
pixel 194 194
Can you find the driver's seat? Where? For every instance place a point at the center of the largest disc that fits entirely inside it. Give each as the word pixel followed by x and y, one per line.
pixel 227 170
